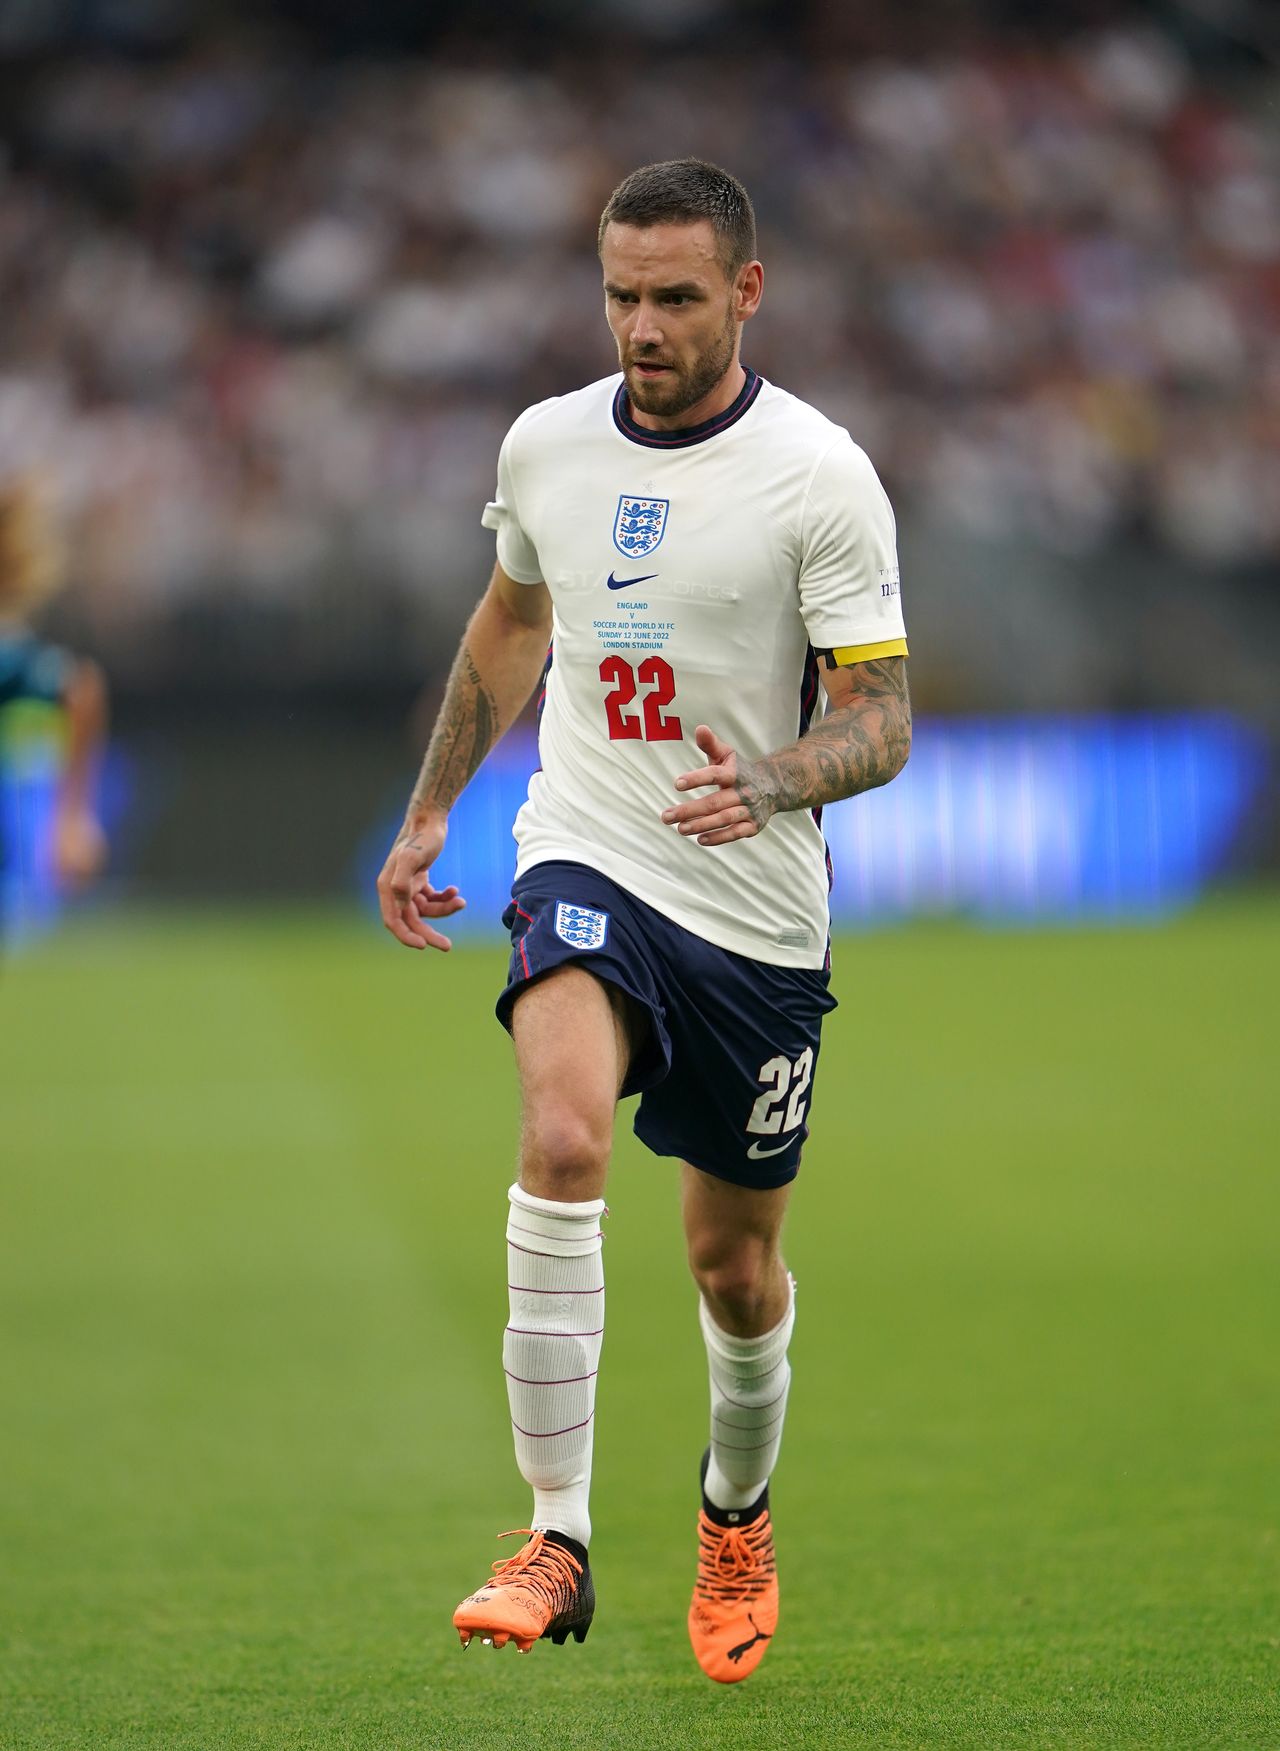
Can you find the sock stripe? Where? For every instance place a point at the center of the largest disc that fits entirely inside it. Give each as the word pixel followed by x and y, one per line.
pixel 539 1235
pixel 740 1405
pixel 722 1422
pixel 572 1379
pixel 531 1434
pixel 749 1421
pixel 529 1252
pixel 526 1289
pixel 533 1331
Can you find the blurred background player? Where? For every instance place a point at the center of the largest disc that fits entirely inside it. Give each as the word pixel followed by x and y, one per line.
pixel 48 699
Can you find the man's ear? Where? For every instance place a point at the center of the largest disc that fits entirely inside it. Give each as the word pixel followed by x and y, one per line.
pixel 747 290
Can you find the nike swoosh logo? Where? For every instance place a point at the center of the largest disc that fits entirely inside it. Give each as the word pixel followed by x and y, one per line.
pixel 756 1152
pixel 625 583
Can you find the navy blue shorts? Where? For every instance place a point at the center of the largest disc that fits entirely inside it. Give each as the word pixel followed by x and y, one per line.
pixel 726 1071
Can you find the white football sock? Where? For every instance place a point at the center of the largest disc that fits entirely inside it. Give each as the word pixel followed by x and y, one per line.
pixel 749 1382
pixel 551 1352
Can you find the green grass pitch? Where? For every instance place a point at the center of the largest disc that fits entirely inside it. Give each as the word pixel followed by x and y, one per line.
pixel 253 1440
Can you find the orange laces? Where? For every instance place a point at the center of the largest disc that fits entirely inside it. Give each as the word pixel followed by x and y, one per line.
pixel 546 1567
pixel 732 1560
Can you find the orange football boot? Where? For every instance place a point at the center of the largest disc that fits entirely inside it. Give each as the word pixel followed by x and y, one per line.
pixel 734 1611
pixel 543 1590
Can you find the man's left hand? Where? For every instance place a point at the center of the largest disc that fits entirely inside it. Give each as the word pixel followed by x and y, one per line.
pixel 739 805
pixel 79 847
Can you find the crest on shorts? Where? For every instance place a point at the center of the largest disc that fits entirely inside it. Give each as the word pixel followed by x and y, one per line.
pixel 639 525
pixel 580 927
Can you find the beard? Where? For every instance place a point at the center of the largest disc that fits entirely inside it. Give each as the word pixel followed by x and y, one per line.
pixel 686 387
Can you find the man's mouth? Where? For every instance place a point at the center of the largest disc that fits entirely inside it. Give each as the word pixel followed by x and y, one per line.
pixel 650 368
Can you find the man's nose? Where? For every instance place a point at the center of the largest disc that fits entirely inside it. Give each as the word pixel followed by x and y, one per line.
pixel 647 331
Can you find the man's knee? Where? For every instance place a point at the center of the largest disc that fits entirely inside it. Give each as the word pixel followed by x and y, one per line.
pixel 736 1276
pixel 564 1150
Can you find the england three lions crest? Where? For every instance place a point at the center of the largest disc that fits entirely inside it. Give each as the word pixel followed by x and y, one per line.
pixel 639 525
pixel 581 926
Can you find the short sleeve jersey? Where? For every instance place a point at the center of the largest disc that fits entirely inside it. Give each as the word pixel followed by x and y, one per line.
pixel 693 576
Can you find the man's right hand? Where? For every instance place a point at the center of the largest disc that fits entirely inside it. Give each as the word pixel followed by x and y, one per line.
pixel 405 892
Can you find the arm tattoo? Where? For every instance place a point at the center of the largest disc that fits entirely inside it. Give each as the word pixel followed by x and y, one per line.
pixel 465 730
pixel 854 748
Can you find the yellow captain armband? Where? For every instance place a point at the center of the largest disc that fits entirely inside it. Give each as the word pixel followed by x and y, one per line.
pixel 843 655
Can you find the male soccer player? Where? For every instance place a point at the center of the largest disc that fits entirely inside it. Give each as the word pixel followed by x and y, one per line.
pixel 703 550
pixel 46 694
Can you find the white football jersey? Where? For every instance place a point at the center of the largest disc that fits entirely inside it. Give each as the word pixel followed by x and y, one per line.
pixel 693 576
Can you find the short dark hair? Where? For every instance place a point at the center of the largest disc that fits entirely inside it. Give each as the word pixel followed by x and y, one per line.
pixel 680 191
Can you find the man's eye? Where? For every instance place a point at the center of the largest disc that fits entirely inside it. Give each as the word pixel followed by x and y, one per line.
pixel 677 298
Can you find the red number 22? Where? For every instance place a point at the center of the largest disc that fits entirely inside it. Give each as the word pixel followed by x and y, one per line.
pixel 656 675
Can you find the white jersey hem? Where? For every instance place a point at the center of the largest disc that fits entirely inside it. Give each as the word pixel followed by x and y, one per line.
pixel 649 886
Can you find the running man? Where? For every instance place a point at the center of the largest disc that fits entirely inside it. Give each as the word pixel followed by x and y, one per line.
pixel 706 557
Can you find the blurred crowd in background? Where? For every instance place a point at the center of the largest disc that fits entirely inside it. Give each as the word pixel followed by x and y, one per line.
pixel 266 313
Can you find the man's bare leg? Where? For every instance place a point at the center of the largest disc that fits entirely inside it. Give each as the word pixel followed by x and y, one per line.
pixel 573 1038
pixel 733 1235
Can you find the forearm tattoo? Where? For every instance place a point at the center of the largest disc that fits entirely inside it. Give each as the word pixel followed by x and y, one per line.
pixel 854 748
pixel 465 730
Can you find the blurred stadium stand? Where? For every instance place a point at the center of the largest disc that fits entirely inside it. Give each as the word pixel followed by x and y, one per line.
pixel 274 281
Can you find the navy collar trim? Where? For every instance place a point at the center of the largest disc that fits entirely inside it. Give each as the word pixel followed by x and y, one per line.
pixel 685 435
